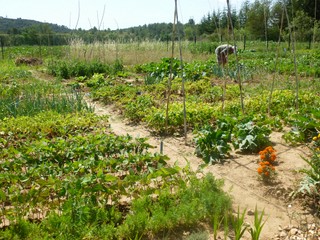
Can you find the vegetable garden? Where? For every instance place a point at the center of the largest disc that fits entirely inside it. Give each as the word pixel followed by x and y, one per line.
pixel 65 175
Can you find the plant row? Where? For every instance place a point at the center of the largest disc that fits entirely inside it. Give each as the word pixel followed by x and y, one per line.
pixel 205 103
pixel 65 69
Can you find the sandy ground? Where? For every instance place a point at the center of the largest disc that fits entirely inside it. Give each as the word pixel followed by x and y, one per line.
pixel 239 174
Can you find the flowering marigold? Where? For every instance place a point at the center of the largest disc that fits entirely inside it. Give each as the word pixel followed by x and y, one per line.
pixel 269 149
pixel 267 159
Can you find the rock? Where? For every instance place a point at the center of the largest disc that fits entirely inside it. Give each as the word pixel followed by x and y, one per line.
pixel 250 212
pixel 312 226
pixel 293 231
pixel 287 228
pixel 282 234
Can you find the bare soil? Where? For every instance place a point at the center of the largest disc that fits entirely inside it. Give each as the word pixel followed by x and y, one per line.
pixel 239 173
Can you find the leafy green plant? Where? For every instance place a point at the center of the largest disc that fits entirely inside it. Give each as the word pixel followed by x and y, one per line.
pixel 249 137
pixel 137 109
pixel 96 80
pixel 304 127
pixel 159 71
pixel 310 185
pixel 212 144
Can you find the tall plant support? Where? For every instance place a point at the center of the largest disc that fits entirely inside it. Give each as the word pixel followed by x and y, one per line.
pixel 183 81
pixel 314 23
pixel 293 37
pixel 237 60
pixel 174 33
pixel 275 65
pixel 171 63
pixel 265 25
pixel 75 27
pixel 224 88
pixel 170 75
pixel 2 47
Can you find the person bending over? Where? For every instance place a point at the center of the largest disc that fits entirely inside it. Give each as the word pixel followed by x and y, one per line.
pixel 222 53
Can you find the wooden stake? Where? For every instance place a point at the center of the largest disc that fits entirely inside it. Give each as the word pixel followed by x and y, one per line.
pixel 237 61
pixel 293 37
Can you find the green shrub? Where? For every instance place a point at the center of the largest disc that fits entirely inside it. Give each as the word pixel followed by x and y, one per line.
pixel 67 69
pixel 250 137
pixel 138 108
pixel 212 143
pixel 96 81
pixel 188 206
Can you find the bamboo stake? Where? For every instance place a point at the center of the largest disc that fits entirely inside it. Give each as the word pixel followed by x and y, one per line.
pixel 293 37
pixel 224 88
pixel 183 81
pixel 171 63
pixel 237 61
pixel 265 25
pixel 75 27
pixel 174 31
pixel 314 23
pixel 275 64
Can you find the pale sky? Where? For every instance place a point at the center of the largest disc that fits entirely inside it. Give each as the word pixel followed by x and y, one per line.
pixel 118 13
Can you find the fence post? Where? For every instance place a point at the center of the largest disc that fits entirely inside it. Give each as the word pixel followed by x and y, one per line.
pixel 2 47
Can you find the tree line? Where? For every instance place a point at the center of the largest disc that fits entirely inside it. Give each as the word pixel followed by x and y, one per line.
pixel 258 20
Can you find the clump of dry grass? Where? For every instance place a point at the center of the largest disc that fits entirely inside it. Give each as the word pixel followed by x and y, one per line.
pixel 130 53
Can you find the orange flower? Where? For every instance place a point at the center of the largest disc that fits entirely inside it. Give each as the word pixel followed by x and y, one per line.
pixel 270 149
pixel 267 158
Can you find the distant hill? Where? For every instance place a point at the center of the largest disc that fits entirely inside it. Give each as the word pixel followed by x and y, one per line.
pixel 18 25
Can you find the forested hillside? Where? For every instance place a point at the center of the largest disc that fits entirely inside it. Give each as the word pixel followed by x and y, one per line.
pixel 258 20
pixel 8 25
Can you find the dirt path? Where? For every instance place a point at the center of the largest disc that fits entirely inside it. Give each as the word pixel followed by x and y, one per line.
pixel 239 174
